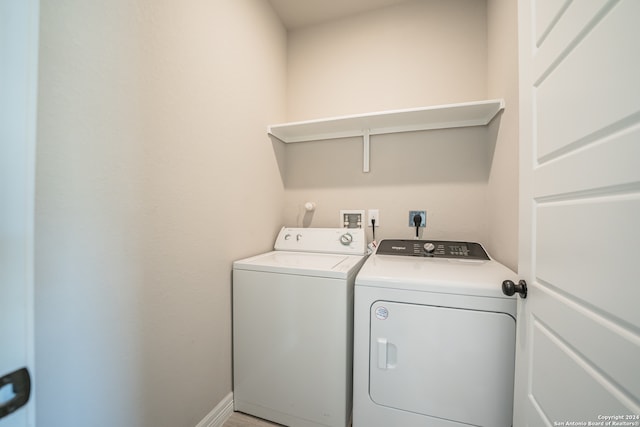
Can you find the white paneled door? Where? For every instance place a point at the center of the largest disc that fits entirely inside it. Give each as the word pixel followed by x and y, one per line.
pixel 578 347
pixel 18 82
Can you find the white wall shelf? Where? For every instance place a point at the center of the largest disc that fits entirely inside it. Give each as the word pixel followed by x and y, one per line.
pixel 478 113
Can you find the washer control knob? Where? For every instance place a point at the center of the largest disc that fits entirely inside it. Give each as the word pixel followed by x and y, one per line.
pixel 429 247
pixel 346 239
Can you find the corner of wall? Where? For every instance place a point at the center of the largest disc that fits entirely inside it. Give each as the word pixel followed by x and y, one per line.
pixel 220 414
pixel 502 195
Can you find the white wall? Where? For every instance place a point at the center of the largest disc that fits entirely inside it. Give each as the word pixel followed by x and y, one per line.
pixel 151 150
pixel 419 53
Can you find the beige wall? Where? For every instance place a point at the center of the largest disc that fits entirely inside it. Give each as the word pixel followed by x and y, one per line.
pixel 152 157
pixel 423 52
pixel 502 194
pixel 444 172
pixel 145 188
pixel 420 53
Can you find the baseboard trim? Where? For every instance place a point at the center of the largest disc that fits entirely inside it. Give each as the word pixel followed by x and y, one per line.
pixel 220 414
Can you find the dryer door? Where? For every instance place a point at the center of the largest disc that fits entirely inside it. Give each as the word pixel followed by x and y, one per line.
pixel 449 363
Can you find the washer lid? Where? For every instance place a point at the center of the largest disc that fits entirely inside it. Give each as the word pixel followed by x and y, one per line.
pixel 449 276
pixel 302 263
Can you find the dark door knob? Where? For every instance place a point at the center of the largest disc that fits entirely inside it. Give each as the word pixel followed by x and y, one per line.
pixel 509 288
pixel 20 381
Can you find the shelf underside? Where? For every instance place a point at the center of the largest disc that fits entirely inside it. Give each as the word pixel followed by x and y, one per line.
pixel 416 119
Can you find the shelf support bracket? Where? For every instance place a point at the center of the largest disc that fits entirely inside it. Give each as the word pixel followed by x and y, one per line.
pixel 366 150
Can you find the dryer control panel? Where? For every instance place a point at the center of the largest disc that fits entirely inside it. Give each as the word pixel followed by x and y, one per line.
pixel 432 248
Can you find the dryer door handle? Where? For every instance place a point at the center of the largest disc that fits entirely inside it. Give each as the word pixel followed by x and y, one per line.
pixel 387 354
pixel 382 353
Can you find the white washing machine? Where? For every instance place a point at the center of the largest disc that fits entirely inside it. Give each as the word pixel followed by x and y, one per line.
pixel 434 337
pixel 292 327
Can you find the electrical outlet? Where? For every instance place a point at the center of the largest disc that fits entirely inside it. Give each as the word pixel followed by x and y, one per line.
pixel 422 214
pixel 373 214
pixel 351 218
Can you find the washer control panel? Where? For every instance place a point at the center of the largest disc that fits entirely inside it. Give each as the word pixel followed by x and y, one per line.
pixel 326 240
pixel 432 248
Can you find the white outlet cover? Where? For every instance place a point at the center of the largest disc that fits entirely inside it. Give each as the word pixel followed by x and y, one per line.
pixel 373 213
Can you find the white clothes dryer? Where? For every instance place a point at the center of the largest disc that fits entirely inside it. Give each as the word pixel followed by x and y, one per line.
pixel 434 337
pixel 292 327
